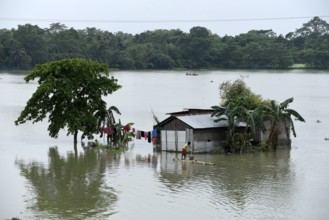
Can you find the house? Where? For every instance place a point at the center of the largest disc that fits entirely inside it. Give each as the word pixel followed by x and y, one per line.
pixel 196 126
pixel 205 135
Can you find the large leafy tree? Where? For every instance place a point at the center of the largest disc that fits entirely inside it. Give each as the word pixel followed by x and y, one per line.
pixel 311 43
pixel 70 93
pixel 231 91
pixel 32 40
pixel 238 104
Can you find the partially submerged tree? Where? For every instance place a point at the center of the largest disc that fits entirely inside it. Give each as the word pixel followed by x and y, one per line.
pixel 106 119
pixel 231 114
pixel 238 114
pixel 277 112
pixel 240 104
pixel 117 135
pixel 70 93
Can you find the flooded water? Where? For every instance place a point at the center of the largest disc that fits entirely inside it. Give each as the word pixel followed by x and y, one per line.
pixel 43 178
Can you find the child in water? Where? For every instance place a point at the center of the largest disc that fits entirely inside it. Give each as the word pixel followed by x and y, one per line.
pixel 185 149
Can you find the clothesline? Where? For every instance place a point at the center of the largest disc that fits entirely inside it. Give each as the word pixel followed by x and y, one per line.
pixel 150 136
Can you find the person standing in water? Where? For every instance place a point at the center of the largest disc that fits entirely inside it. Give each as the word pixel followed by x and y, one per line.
pixel 185 149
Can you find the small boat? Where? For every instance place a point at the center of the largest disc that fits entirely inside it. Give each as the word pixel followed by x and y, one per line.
pixel 191 74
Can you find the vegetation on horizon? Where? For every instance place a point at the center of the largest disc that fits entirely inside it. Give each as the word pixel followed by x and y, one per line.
pixel 29 45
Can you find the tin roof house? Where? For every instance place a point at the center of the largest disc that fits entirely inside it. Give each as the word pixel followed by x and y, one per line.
pixel 205 135
pixel 196 126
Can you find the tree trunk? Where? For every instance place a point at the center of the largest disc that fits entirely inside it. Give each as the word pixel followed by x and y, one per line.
pixel 75 141
pixel 244 140
pixel 272 138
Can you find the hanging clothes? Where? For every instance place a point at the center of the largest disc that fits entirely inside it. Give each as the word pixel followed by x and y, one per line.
pixel 154 136
pixel 149 137
pixel 107 131
pixel 138 134
pixel 126 128
pixel 154 133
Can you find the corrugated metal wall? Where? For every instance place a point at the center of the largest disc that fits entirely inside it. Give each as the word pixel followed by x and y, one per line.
pixel 172 140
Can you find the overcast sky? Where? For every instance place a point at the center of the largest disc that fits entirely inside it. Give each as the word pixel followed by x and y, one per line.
pixel 223 17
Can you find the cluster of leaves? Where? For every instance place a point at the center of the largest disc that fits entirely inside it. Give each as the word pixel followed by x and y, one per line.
pixel 70 93
pixel 28 45
pixel 119 135
pixel 241 105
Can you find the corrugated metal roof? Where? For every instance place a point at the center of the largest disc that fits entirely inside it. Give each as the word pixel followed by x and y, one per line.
pixel 205 121
pixel 192 111
pixel 202 121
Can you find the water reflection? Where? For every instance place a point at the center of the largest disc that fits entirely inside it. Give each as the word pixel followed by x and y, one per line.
pixel 256 186
pixel 252 178
pixel 70 186
pixel 261 180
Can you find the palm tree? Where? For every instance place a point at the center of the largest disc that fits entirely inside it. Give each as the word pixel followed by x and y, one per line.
pixel 277 112
pixel 237 111
pixel 106 120
pixel 226 114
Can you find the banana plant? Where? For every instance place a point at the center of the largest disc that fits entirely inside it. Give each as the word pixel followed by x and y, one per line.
pixel 280 111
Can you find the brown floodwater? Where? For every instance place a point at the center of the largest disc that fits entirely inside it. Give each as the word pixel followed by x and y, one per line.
pixel 43 178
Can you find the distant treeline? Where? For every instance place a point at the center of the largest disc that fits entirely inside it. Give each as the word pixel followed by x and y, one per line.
pixel 28 45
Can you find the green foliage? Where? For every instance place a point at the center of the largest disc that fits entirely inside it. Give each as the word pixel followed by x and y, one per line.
pixel 240 104
pixel 278 113
pixel 29 45
pixel 238 90
pixel 119 136
pixel 311 44
pixel 235 112
pixel 70 93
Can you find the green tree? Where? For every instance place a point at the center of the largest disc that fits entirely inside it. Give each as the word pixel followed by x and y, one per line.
pixel 311 44
pixel 195 48
pixel 239 105
pixel 262 49
pixel 228 114
pixel 237 114
pixel 316 27
pixel 277 112
pixel 19 58
pixel 70 93
pixel 106 119
pixel 32 39
pixel 231 91
pixel 65 43
pixel 6 41
pixel 231 55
